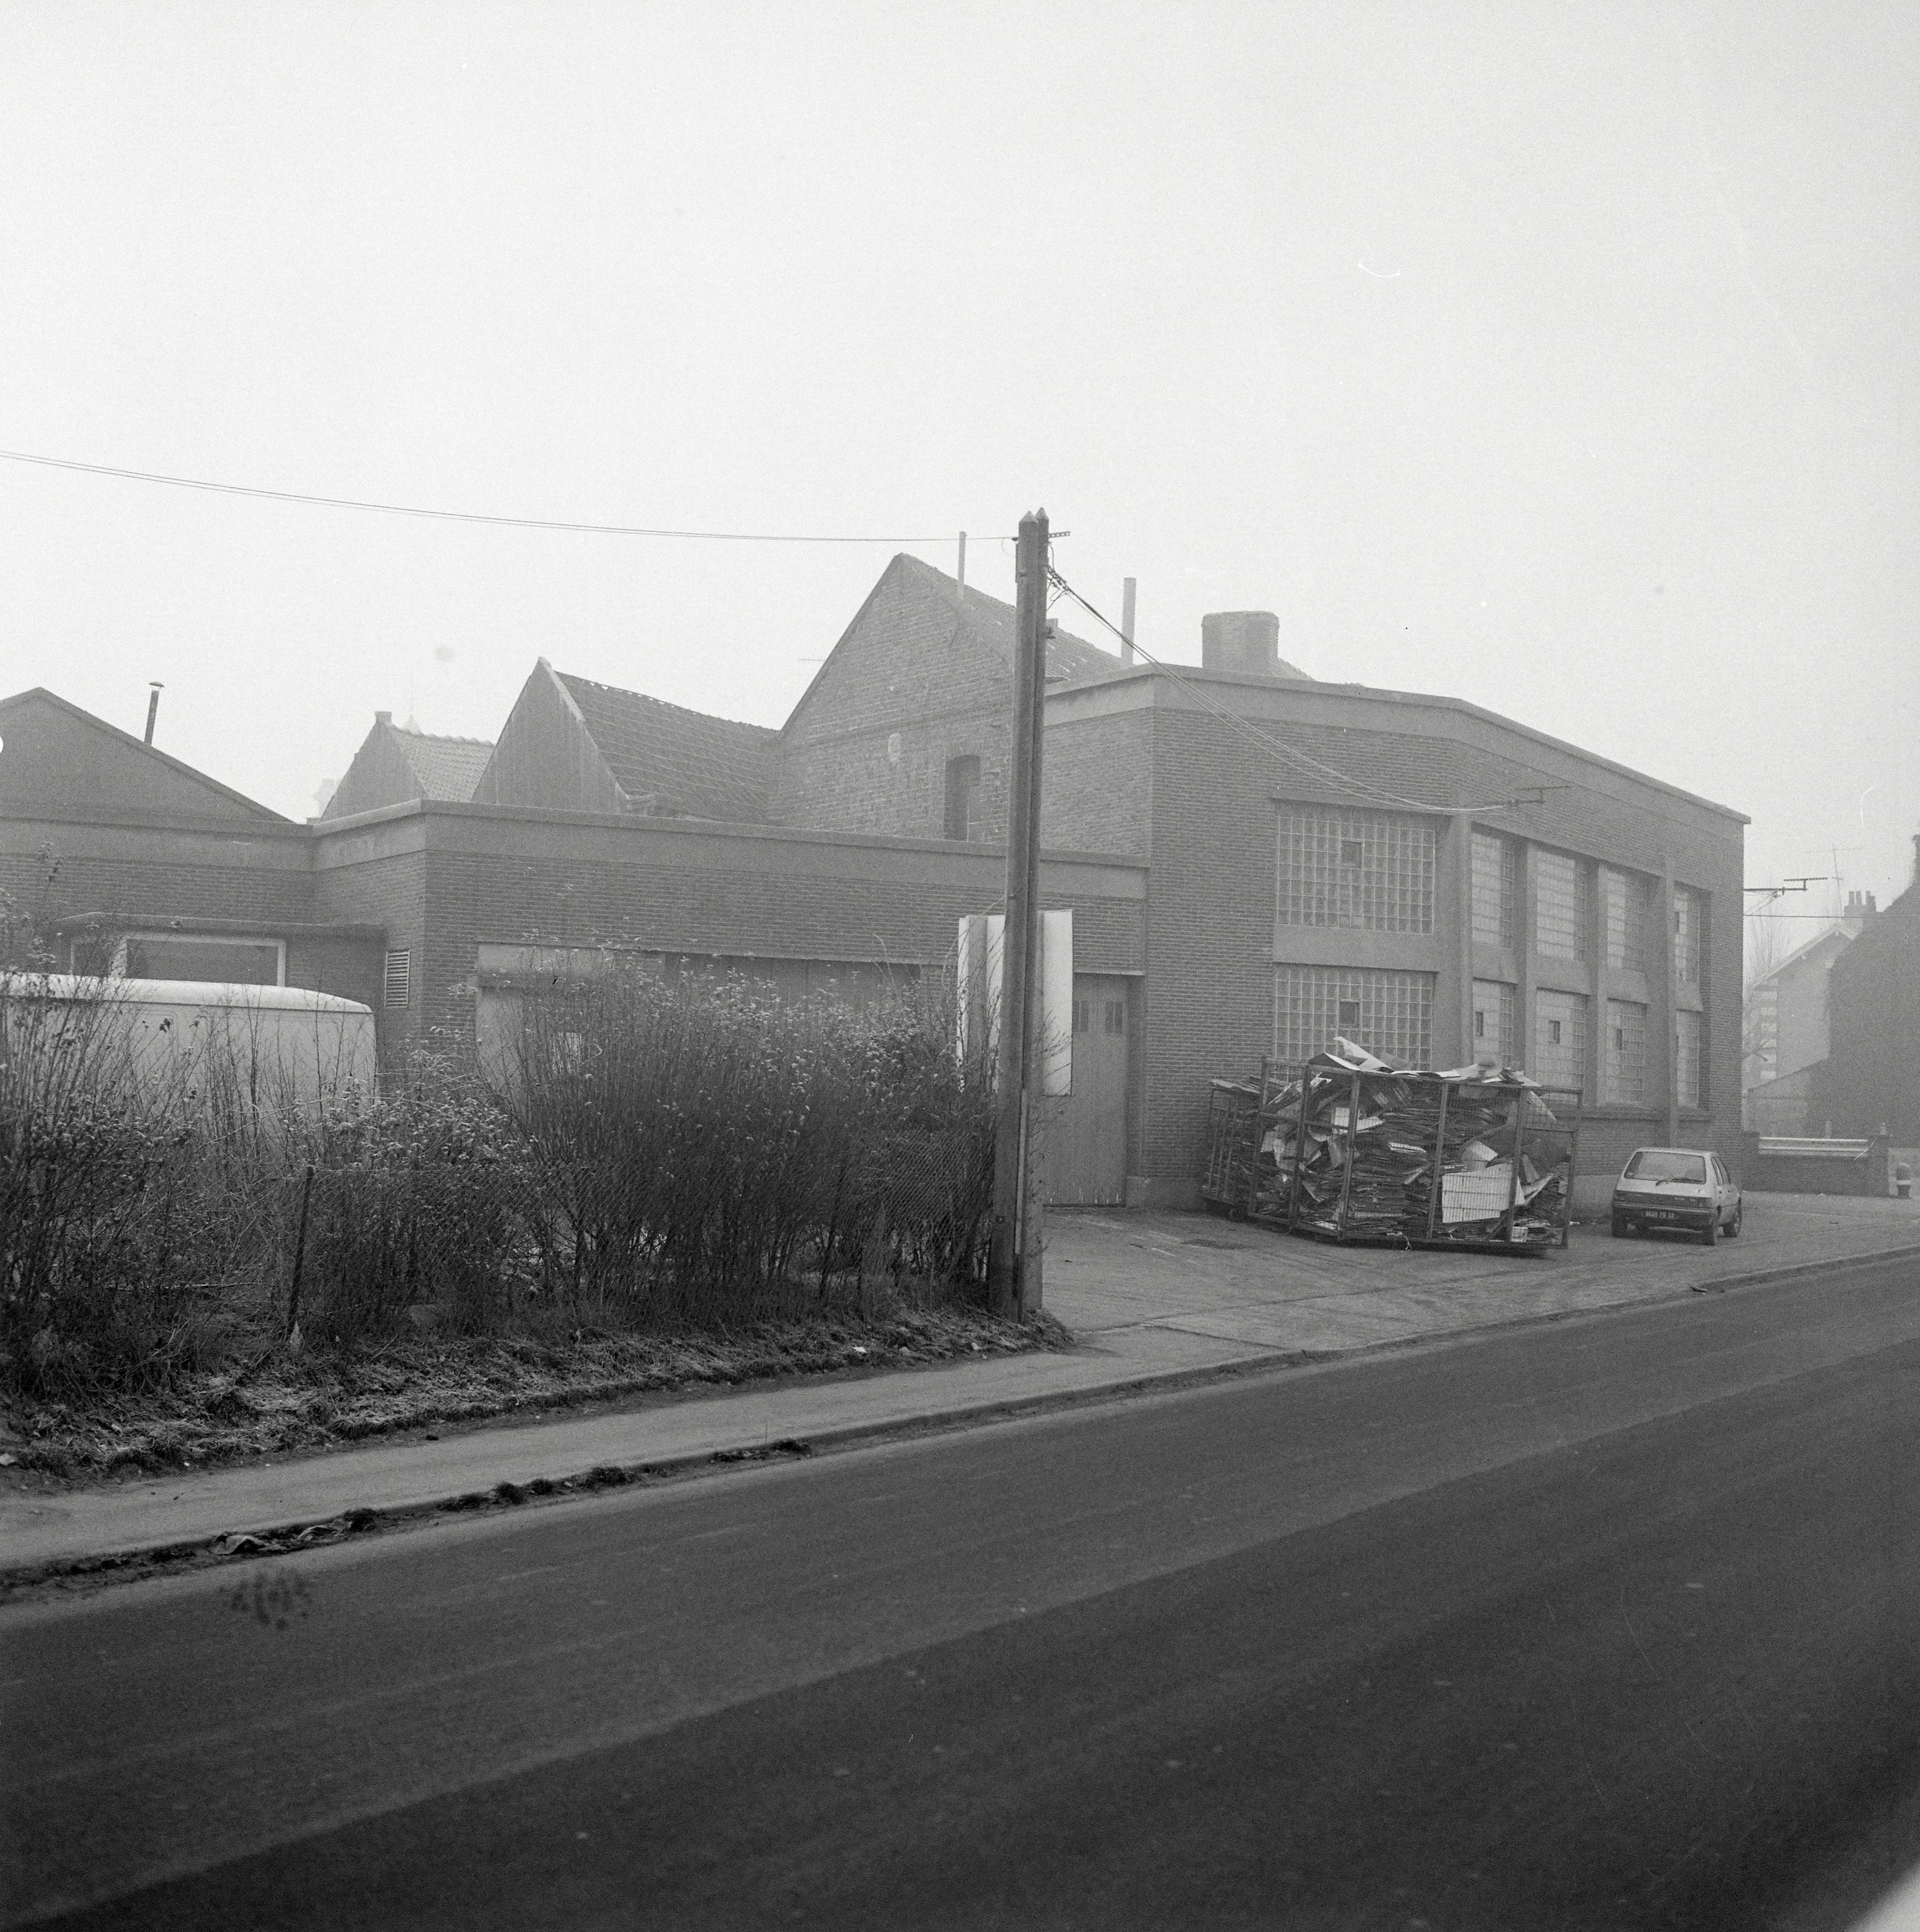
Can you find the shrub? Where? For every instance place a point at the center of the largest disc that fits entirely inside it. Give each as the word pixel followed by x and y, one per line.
pixel 699 1149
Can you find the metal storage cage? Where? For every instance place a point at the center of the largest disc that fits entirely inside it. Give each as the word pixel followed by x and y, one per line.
pixel 1354 1150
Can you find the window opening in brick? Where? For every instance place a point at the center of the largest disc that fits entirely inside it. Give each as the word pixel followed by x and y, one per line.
pixel 1560 907
pixel 1687 922
pixel 398 988
pixel 1386 1012
pixel 1493 1022
pixel 1560 1040
pixel 1688 1090
pixel 1624 909
pixel 1493 884
pixel 1385 885
pixel 963 797
pixel 1116 1016
pixel 1623 1080
pixel 1083 1011
pixel 196 955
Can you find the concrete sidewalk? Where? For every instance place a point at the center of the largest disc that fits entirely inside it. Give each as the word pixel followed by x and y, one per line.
pixel 1152 1299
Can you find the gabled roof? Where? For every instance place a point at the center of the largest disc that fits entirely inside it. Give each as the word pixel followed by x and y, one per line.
pixel 926 603
pixel 179 784
pixel 668 760
pixel 1843 930
pixel 447 768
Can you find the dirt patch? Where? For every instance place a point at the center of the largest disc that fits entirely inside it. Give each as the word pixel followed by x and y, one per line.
pixel 292 1403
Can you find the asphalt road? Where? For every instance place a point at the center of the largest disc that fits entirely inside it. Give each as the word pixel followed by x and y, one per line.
pixel 1615 1623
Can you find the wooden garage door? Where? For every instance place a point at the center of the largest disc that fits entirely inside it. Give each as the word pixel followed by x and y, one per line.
pixel 1085 1150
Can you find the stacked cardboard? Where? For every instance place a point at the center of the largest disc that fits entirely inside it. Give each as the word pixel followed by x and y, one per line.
pixel 1356 1149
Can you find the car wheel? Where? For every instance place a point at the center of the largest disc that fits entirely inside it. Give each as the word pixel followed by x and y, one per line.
pixel 1619 1229
pixel 1733 1226
pixel 1712 1236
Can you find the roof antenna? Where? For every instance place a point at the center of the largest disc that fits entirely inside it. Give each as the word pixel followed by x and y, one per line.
pixel 155 687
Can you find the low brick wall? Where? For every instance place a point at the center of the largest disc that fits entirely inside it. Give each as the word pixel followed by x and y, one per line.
pixel 1851 1172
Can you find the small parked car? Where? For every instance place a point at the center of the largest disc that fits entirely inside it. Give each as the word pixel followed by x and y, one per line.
pixel 1676 1191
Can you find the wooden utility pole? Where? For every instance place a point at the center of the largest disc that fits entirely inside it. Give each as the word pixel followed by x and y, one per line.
pixel 1008 1256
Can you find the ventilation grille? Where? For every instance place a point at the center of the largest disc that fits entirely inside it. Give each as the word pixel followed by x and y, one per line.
pixel 400 978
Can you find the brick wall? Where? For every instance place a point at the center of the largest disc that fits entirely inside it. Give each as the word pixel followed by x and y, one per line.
pixel 1212 941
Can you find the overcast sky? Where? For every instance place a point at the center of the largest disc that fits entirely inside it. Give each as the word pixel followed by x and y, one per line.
pixel 1559 358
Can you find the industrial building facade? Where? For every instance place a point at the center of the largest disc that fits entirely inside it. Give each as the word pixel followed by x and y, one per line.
pixel 1256 861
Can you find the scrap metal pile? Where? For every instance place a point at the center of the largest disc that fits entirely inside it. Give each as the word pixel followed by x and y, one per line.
pixel 1355 1150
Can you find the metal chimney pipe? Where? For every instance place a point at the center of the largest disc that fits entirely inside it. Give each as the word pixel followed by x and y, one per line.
pixel 960 593
pixel 1127 589
pixel 153 705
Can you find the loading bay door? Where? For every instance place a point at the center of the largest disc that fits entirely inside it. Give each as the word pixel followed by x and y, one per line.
pixel 1085 1152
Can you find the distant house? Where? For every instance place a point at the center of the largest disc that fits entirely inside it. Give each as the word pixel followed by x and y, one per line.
pixel 397 764
pixel 1870 1083
pixel 570 745
pixel 1786 1025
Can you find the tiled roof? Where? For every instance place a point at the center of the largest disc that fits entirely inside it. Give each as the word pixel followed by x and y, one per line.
pixel 669 760
pixel 447 768
pixel 1070 660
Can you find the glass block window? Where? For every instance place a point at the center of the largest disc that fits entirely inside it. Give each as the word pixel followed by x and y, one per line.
pixel 1560 1040
pixel 1493 889
pixel 1372 870
pixel 1493 1020
pixel 1686 922
pixel 1623 901
pixel 1686 1060
pixel 1390 1013
pixel 1559 907
pixel 1623 1058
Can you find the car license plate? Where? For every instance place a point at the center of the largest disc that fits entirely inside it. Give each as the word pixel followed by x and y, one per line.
pixel 1661 1214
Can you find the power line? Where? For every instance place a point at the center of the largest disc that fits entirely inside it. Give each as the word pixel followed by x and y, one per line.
pixel 440 516
pixel 1373 793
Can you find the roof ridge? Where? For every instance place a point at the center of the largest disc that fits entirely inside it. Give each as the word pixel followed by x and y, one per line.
pixel 665 703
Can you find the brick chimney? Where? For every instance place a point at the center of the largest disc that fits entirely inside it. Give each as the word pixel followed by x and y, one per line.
pixel 383 718
pixel 1246 644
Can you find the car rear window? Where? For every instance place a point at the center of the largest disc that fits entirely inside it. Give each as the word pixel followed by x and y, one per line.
pixel 1664 1164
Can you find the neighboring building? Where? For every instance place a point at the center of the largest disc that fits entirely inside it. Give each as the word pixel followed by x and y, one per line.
pixel 1786 1026
pixel 397 764
pixel 1256 862
pixel 905 728
pixel 570 745
pixel 1870 1082
pixel 129 859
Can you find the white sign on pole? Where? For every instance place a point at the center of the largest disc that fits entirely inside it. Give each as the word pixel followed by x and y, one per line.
pixel 977 991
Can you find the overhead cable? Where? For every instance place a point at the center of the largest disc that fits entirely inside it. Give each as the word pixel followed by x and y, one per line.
pixel 442 516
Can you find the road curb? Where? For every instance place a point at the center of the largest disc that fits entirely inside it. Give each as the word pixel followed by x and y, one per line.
pixel 249 1541
pixel 1755 1277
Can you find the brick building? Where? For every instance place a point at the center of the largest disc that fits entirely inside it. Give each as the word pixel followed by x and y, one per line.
pixel 396 763
pixel 1255 860
pixel 1870 1083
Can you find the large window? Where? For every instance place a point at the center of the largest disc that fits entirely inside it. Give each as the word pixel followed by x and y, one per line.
pixel 1623 1060
pixel 1373 870
pixel 1687 908
pixel 193 956
pixel 1560 907
pixel 1687 1089
pixel 1623 897
pixel 1560 1040
pixel 1493 877
pixel 1389 1013
pixel 1493 1008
